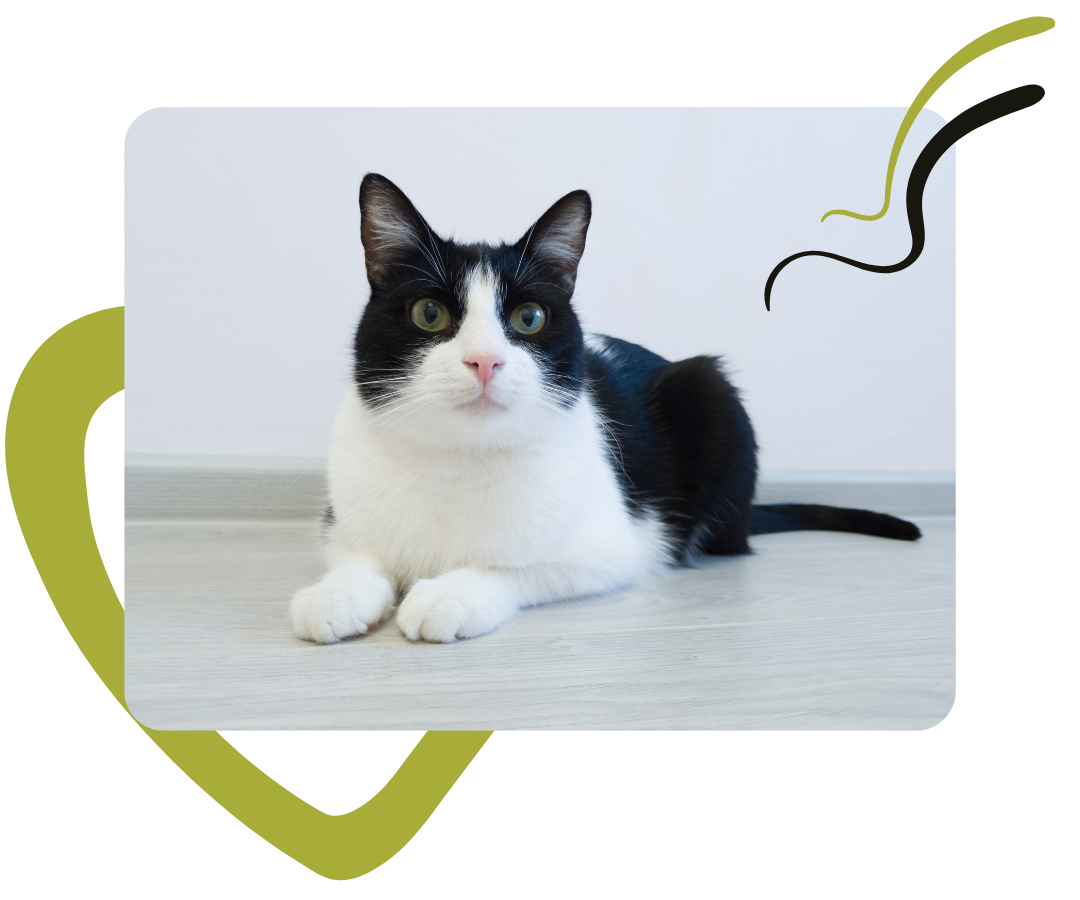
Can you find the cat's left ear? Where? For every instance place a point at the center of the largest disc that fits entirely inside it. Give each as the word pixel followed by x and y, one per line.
pixel 557 240
pixel 391 229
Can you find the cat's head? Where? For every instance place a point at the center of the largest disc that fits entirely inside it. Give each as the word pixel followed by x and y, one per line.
pixel 468 344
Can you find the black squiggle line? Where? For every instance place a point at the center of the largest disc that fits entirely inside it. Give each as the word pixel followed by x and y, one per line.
pixel 965 123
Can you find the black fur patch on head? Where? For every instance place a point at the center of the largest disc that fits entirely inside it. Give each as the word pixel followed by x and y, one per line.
pixel 558 348
pixel 407 261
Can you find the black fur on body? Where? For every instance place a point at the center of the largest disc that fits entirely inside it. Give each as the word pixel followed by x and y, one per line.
pixel 681 441
pixel 686 450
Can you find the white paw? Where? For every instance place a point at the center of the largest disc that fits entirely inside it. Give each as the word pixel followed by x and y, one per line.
pixel 460 604
pixel 344 603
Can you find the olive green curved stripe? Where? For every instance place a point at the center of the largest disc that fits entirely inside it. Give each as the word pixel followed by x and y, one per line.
pixel 1006 34
pixel 340 847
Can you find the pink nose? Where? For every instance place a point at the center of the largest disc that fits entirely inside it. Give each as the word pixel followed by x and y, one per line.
pixel 484 365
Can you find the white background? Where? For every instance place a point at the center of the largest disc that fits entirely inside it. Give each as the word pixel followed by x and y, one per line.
pixel 244 272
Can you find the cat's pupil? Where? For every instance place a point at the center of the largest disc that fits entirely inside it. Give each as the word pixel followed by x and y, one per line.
pixel 431 313
pixel 528 317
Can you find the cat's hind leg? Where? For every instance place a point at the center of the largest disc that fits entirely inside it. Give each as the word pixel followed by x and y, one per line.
pixel 706 482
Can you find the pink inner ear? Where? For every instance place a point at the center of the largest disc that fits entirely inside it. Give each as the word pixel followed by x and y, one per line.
pixel 484 364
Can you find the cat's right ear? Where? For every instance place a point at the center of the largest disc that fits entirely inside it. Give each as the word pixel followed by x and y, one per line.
pixel 391 229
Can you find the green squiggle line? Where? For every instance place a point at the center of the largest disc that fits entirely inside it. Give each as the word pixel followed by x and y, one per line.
pixel 1006 34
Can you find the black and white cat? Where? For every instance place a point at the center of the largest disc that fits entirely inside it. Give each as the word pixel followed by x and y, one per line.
pixel 491 456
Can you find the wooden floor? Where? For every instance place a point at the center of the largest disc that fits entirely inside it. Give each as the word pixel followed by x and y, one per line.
pixel 814 631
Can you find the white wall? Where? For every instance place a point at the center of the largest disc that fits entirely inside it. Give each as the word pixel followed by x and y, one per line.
pixel 245 274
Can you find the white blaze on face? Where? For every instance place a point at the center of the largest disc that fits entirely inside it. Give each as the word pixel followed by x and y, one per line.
pixel 481 332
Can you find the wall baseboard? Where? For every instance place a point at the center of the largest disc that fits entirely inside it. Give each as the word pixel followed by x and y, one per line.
pixel 214 487
pixel 898 493
pixel 243 488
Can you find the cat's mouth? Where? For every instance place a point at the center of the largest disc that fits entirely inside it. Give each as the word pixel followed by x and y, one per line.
pixel 482 404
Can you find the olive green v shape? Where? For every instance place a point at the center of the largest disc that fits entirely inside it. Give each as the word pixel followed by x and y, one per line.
pixel 1014 31
pixel 65 466
pixel 334 846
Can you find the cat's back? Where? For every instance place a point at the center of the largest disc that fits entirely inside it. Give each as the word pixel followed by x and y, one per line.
pixel 618 372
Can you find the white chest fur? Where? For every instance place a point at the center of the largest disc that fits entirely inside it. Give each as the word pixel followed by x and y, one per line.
pixel 422 510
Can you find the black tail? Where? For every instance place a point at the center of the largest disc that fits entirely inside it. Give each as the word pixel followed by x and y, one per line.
pixel 776 517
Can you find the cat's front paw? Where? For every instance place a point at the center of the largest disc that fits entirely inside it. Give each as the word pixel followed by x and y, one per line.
pixel 346 602
pixel 460 604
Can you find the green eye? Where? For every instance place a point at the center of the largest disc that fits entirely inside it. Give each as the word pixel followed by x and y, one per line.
pixel 430 315
pixel 528 318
